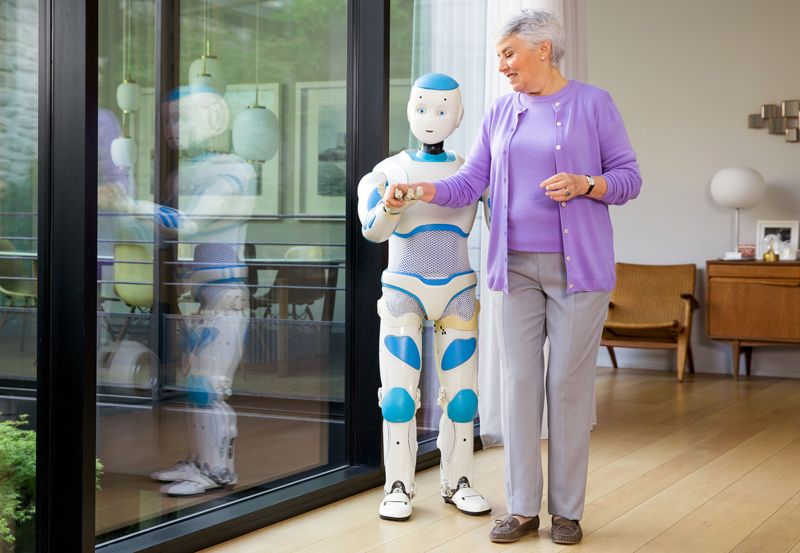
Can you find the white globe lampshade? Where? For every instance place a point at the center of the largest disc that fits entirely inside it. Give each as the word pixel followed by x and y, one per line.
pixel 124 152
pixel 737 187
pixel 128 95
pixel 211 75
pixel 255 134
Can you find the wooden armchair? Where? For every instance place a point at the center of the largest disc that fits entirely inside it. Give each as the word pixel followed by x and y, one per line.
pixel 651 307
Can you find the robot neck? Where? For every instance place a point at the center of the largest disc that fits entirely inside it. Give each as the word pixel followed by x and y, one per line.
pixel 432 149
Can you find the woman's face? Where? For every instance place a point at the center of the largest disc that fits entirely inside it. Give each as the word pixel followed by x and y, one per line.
pixel 522 65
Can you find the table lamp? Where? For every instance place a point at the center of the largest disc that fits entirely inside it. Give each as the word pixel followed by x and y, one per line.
pixel 737 188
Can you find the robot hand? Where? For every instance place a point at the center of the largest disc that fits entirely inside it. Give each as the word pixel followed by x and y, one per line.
pixel 399 196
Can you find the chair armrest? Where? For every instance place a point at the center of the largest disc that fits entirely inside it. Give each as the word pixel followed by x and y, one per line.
pixel 692 300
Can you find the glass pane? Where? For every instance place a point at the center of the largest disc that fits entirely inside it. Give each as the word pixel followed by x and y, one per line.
pixel 19 74
pixel 221 252
pixel 429 36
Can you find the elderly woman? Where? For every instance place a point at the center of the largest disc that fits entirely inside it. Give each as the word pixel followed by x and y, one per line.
pixel 555 155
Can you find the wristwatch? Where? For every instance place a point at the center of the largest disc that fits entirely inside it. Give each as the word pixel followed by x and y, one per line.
pixel 590 180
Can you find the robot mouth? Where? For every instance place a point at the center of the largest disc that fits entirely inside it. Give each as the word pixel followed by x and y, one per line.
pixel 426 130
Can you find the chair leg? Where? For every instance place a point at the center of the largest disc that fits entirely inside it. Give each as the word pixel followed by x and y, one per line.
pixel 613 357
pixel 691 357
pixel 683 347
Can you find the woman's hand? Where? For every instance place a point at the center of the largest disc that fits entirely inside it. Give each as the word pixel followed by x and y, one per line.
pixel 562 187
pixel 397 196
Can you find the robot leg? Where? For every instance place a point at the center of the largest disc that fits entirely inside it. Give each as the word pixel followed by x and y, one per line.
pixel 216 344
pixel 456 345
pixel 398 397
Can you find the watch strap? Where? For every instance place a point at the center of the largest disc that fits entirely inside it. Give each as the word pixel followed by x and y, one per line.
pixel 590 180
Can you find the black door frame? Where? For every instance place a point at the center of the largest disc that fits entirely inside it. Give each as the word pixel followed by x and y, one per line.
pixel 67 277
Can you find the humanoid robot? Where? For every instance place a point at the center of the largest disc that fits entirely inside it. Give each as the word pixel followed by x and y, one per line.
pixel 217 196
pixel 428 277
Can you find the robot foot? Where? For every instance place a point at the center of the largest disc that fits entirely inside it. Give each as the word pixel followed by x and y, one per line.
pixel 192 482
pixel 178 471
pixel 396 505
pixel 467 500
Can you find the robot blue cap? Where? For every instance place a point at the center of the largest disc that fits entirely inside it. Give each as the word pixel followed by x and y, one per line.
pixel 184 91
pixel 436 81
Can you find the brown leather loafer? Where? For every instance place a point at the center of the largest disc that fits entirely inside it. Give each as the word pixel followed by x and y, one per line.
pixel 565 531
pixel 509 529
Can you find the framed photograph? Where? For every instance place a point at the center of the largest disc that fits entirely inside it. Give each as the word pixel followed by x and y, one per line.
pixel 320 148
pixel 780 234
pixel 321 139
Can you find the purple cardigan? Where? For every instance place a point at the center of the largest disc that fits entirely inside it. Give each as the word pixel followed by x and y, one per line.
pixel 590 140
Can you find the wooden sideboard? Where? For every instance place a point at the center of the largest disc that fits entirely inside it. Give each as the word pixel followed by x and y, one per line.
pixel 752 303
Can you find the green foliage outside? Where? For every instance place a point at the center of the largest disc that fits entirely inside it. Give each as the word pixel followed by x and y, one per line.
pixel 18 474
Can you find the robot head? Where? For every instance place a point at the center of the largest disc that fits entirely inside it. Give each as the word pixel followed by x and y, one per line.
pixel 434 108
pixel 192 115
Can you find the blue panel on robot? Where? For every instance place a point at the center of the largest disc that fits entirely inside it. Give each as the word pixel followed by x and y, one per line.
pixel 200 391
pixel 405 349
pixel 458 352
pixel 398 405
pixel 463 407
pixel 373 199
pixel 436 81
pixel 433 226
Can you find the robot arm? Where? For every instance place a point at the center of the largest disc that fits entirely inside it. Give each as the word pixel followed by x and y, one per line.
pixel 112 197
pixel 378 223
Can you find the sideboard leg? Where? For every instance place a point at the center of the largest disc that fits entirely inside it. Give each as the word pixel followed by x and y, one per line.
pixel 748 357
pixel 735 352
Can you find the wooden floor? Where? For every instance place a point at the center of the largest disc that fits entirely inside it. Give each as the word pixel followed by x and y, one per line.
pixel 710 465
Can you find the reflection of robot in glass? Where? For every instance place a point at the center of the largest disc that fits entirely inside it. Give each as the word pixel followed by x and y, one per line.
pixel 220 190
pixel 428 277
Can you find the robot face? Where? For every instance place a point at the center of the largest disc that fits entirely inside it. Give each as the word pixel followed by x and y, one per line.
pixel 434 114
pixel 193 117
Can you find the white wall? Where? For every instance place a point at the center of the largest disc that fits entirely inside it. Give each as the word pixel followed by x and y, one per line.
pixel 685 74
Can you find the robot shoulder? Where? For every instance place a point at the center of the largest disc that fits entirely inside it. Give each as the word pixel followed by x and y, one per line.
pixel 395 168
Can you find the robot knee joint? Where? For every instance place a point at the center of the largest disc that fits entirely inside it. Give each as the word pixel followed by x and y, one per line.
pixel 458 352
pixel 200 391
pixel 397 405
pixel 463 407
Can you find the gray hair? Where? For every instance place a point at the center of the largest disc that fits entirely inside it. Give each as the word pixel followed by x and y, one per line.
pixel 535 26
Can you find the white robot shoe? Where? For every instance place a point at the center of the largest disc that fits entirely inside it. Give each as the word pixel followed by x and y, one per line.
pixel 178 471
pixel 192 482
pixel 467 500
pixel 396 505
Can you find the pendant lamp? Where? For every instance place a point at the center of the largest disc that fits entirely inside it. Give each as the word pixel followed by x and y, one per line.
pixel 123 148
pixel 255 129
pixel 207 69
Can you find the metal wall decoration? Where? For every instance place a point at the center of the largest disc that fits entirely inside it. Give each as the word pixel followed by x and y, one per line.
pixel 781 119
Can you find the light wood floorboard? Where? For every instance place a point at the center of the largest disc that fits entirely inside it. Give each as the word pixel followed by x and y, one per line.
pixel 710 465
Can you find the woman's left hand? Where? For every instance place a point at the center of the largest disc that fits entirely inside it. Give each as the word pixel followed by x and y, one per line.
pixel 562 187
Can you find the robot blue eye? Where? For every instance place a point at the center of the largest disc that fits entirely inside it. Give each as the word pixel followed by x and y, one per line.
pixel 441 113
pixel 421 110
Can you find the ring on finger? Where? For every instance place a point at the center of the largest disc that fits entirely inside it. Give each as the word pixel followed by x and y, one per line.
pixel 566 192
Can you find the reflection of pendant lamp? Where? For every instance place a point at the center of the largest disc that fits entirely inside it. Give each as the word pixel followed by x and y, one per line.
pixel 123 148
pixel 255 129
pixel 207 69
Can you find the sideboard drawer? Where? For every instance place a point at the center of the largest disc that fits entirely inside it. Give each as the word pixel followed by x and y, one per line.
pixel 754 307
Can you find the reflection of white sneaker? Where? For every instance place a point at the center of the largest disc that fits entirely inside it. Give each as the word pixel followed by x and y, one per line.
pixel 396 505
pixel 178 471
pixel 192 482
pixel 467 500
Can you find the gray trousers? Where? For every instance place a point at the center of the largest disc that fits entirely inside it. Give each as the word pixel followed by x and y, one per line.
pixel 538 306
